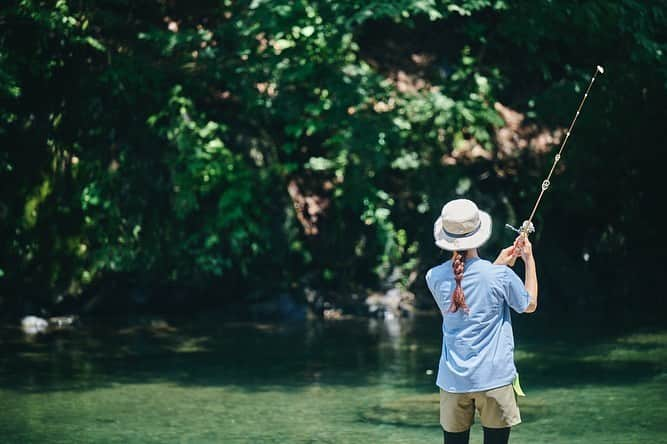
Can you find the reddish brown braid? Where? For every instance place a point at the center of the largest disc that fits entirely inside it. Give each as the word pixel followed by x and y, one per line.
pixel 458 299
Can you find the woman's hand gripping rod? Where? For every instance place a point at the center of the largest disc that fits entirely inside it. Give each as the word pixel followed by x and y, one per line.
pixel 526 228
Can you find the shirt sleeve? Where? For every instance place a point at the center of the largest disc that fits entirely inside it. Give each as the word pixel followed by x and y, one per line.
pixel 515 291
pixel 428 280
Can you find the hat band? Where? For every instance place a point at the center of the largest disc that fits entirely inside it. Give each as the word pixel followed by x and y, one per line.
pixel 459 236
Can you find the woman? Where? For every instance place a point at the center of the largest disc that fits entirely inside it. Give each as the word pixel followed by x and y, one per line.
pixel 476 368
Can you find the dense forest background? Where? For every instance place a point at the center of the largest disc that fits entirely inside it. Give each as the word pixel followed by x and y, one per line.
pixel 190 154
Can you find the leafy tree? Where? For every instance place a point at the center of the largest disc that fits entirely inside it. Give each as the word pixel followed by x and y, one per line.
pixel 264 146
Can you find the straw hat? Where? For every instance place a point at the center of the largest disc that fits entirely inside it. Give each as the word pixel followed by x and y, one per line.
pixel 461 226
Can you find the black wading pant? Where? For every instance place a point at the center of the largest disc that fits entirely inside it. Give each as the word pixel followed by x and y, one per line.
pixel 491 436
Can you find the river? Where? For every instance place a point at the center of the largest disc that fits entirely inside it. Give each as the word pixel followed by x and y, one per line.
pixel 199 380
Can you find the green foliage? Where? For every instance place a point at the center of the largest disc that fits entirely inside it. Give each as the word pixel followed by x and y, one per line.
pixel 199 144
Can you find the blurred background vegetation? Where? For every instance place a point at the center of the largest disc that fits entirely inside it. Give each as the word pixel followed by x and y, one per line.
pixel 219 152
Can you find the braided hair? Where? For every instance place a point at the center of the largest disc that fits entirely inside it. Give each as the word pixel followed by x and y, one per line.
pixel 458 299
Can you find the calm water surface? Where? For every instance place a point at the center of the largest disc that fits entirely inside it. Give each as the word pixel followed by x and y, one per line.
pixel 349 381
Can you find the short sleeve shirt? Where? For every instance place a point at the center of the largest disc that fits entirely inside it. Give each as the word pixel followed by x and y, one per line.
pixel 478 346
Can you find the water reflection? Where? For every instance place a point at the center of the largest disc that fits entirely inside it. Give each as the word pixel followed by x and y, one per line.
pixel 336 352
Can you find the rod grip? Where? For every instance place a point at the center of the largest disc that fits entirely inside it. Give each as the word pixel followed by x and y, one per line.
pixel 518 243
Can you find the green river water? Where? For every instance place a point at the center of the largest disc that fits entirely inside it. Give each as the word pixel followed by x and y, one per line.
pixel 346 381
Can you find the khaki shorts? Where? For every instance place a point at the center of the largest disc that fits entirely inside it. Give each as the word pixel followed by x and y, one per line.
pixel 497 409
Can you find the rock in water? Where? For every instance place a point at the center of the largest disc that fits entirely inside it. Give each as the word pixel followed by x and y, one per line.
pixel 393 304
pixel 413 411
pixel 63 321
pixel 33 325
pixel 283 308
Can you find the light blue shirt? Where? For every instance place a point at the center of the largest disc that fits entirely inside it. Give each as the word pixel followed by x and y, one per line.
pixel 478 347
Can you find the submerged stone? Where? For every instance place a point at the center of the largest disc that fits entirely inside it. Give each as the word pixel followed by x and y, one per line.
pixel 32 325
pixel 411 411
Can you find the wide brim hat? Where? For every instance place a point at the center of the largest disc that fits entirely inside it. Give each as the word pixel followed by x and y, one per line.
pixel 461 226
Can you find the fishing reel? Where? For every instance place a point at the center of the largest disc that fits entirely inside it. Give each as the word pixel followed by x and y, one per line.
pixel 526 228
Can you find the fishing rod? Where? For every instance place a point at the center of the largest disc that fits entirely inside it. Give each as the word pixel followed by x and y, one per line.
pixel 527 226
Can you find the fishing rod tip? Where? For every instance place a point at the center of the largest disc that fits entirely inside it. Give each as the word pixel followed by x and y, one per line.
pixel 600 69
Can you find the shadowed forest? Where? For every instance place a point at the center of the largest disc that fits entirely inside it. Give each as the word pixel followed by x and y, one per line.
pixel 182 155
